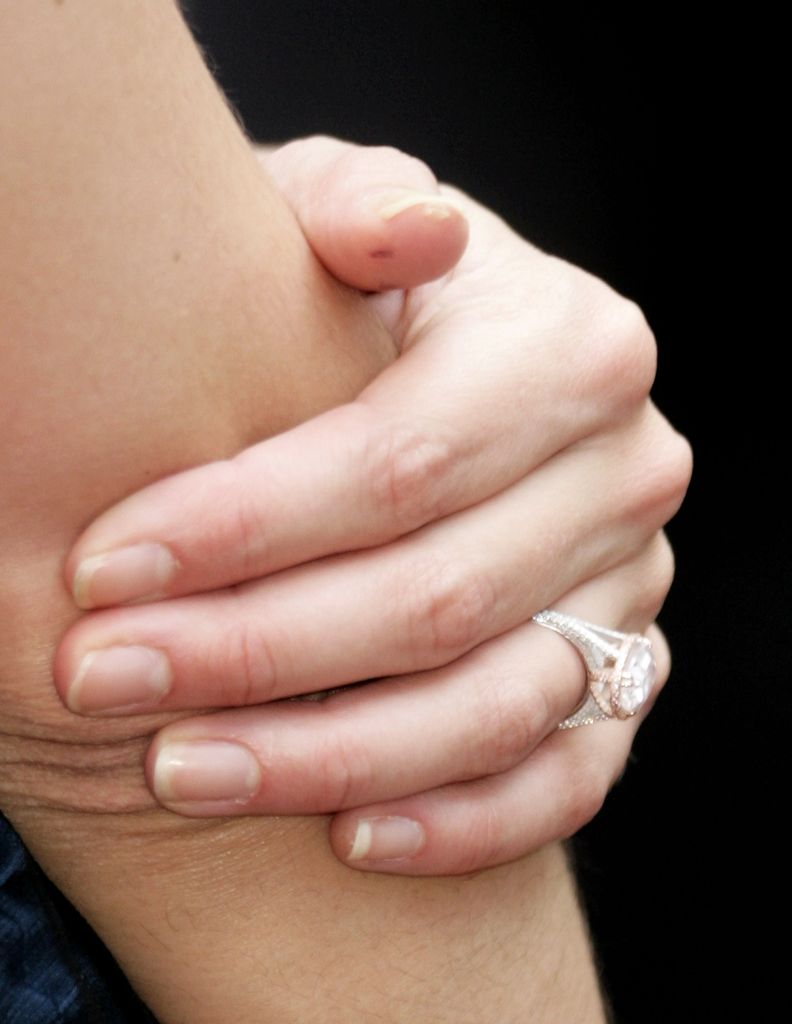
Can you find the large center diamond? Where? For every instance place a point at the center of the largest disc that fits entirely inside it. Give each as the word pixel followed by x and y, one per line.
pixel 638 676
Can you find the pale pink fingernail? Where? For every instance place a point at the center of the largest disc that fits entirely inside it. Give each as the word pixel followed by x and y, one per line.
pixel 205 771
pixel 119 678
pixel 431 205
pixel 126 574
pixel 386 838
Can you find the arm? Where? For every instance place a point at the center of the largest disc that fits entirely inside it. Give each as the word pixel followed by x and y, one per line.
pixel 133 211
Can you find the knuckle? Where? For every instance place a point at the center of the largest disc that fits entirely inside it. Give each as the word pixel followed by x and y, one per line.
pixel 344 770
pixel 585 791
pixel 482 843
pixel 448 607
pixel 319 139
pixel 663 472
pixel 508 725
pixel 679 466
pixel 252 674
pixel 366 164
pixel 658 578
pixel 247 526
pixel 408 471
pixel 414 168
pixel 624 359
pixel 309 149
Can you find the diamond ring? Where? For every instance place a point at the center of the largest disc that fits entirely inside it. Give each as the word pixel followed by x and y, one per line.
pixel 621 668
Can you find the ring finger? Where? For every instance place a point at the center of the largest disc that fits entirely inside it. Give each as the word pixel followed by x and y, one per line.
pixel 469 826
pixel 479 717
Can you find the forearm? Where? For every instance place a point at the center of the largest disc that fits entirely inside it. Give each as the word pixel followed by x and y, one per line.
pixel 160 308
pixel 254 922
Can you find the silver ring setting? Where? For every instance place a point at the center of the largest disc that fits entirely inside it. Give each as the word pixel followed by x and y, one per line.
pixel 620 666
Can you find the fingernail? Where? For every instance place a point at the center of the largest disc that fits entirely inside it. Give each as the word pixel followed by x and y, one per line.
pixel 118 678
pixel 205 771
pixel 126 574
pixel 387 838
pixel 434 206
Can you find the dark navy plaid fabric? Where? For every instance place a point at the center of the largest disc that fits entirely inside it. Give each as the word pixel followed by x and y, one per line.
pixel 53 968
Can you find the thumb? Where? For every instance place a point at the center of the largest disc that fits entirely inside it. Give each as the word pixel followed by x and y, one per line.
pixel 373 215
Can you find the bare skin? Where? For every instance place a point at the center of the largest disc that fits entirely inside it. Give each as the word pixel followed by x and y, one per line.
pixel 152 290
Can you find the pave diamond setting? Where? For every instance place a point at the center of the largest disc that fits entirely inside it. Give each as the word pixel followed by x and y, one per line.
pixel 621 668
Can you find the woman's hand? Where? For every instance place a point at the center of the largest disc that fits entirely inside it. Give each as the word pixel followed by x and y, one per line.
pixel 508 461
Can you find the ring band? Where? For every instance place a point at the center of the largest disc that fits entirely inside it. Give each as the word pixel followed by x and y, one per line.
pixel 621 668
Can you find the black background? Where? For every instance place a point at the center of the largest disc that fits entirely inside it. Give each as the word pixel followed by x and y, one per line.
pixel 576 128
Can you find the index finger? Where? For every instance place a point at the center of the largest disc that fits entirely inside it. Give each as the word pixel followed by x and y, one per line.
pixel 451 423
